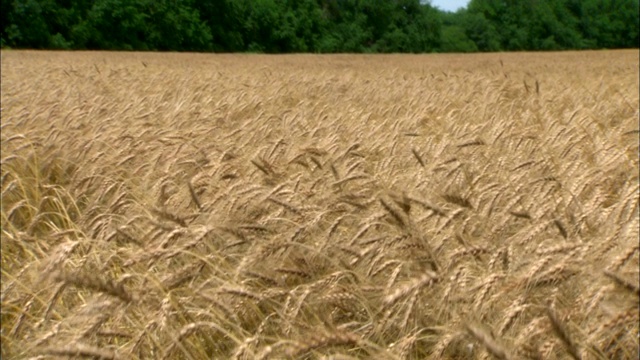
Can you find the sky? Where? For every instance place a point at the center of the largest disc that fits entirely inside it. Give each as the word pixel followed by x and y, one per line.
pixel 449 5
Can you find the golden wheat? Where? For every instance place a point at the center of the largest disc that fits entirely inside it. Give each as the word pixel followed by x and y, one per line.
pixel 319 207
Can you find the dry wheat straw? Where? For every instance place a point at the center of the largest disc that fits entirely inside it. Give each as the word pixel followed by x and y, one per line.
pixel 81 351
pixel 626 284
pixel 489 342
pixel 236 204
pixel 561 331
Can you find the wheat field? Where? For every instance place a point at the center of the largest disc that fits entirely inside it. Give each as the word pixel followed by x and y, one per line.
pixel 194 206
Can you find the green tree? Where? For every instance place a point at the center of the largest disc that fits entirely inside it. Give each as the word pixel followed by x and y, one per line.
pixel 454 39
pixel 27 23
pixel 310 23
pixel 481 31
pixel 561 24
pixel 174 25
pixel 224 20
pixel 140 25
pixel 610 23
pixel 424 29
pixel 277 26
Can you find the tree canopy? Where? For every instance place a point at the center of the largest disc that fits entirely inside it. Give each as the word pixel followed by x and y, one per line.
pixel 321 26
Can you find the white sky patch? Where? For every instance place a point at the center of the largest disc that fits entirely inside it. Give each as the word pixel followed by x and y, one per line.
pixel 449 5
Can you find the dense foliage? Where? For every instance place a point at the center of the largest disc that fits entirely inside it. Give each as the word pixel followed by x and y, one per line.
pixel 327 26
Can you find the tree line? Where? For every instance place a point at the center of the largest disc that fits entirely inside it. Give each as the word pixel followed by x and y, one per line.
pixel 318 26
